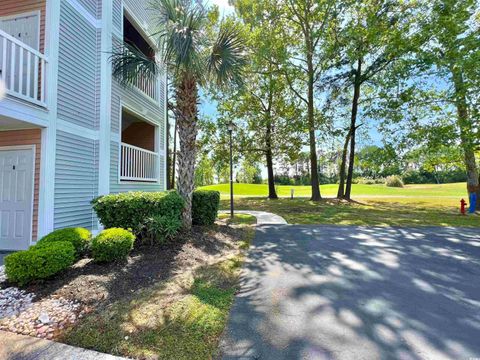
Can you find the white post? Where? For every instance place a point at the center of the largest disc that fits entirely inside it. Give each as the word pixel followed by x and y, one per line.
pixel 105 100
pixel 47 163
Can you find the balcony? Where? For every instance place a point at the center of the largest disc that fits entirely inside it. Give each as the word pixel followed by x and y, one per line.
pixel 133 35
pixel 139 161
pixel 23 70
pixel 138 164
pixel 147 86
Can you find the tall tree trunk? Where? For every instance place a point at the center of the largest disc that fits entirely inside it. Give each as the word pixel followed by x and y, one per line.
pixel 272 193
pixel 174 160
pixel 353 129
pixel 187 98
pixel 311 132
pixel 466 132
pixel 343 165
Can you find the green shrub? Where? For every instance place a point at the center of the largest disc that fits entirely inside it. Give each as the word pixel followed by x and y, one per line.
pixel 79 237
pixel 112 244
pixel 160 229
pixel 129 210
pixel 394 181
pixel 39 262
pixel 205 205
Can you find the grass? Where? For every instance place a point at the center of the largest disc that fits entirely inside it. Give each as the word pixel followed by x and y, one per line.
pixel 181 318
pixel 454 191
pixel 238 219
pixel 372 212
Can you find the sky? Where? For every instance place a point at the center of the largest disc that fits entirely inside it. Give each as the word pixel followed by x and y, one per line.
pixel 223 6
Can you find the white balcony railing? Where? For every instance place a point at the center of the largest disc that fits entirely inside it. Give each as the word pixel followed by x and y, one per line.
pixel 148 86
pixel 23 69
pixel 138 164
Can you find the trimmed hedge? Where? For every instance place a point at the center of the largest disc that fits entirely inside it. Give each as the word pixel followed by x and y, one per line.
pixel 112 244
pixel 79 237
pixel 205 204
pixel 39 262
pixel 129 210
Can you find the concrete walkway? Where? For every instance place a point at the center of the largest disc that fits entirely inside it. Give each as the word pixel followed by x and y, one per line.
pixel 20 347
pixel 346 292
pixel 263 217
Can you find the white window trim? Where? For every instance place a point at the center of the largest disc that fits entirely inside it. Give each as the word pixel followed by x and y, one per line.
pixel 33 149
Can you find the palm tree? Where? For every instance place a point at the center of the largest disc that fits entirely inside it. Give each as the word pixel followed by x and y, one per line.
pixel 193 58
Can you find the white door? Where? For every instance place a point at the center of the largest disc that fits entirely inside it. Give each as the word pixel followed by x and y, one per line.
pixel 16 198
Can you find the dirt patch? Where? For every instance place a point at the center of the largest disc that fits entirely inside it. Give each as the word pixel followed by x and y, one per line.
pixel 98 285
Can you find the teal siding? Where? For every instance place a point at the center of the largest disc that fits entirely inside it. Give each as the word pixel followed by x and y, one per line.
pixel 91 6
pixel 76 181
pixel 117 14
pixel 77 74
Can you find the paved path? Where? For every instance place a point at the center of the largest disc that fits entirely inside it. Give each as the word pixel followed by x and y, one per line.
pixel 263 217
pixel 341 292
pixel 20 347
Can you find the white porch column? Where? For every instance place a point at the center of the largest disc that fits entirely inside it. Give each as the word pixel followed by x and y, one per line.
pixel 46 203
pixel 105 99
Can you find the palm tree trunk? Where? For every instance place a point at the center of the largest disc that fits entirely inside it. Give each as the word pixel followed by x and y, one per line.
pixel 187 99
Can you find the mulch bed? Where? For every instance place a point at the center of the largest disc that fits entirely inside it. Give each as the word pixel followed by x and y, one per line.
pixel 93 285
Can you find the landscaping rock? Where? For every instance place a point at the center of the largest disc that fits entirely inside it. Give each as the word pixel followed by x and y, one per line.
pixel 14 301
pixel 44 318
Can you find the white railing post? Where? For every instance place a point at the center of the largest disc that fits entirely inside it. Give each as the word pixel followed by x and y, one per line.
pixel 16 71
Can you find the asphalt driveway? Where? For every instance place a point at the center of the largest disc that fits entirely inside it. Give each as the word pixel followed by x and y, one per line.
pixel 343 292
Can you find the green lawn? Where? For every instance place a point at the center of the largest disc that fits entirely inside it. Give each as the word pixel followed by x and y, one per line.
pixel 457 190
pixel 379 212
pixel 428 204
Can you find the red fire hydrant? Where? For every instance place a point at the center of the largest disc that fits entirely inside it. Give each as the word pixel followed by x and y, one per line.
pixel 463 203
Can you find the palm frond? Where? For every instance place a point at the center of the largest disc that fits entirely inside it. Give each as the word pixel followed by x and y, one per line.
pixel 130 64
pixel 228 56
pixel 181 23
